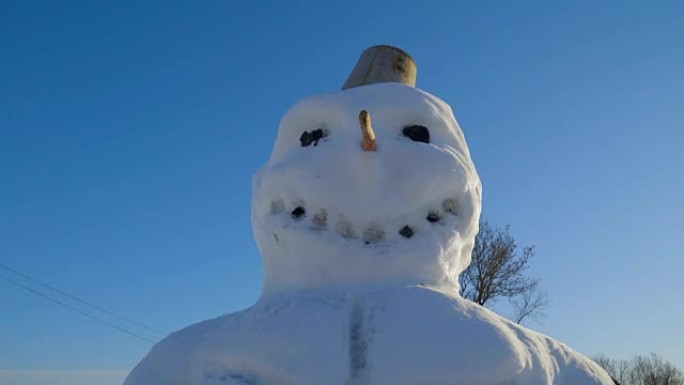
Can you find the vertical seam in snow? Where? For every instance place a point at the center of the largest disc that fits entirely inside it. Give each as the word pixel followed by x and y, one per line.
pixel 358 347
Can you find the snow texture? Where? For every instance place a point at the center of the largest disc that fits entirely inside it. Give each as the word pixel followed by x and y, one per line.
pixel 366 198
pixel 361 254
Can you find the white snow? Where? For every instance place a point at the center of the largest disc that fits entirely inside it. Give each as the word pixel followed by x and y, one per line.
pixel 361 192
pixel 346 298
pixel 395 335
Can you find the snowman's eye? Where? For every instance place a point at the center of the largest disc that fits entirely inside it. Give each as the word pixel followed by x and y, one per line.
pixel 307 138
pixel 417 133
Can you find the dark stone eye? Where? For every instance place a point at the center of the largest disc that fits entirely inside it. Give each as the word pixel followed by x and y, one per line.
pixel 417 133
pixel 307 138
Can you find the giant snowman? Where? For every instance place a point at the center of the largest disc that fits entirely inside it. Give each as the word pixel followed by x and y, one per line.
pixel 365 215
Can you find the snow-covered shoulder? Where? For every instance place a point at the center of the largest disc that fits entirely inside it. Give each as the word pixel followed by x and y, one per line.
pixel 390 336
pixel 173 360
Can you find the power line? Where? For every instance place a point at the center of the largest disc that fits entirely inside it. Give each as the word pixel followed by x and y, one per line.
pixel 111 313
pixel 92 317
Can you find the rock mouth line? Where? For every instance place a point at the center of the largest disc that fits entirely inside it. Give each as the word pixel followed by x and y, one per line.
pixel 321 220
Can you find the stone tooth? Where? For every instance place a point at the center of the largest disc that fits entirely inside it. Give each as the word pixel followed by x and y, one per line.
pixel 320 220
pixel 433 217
pixel 298 213
pixel 406 232
pixel 344 229
pixel 277 206
pixel 373 235
pixel 450 206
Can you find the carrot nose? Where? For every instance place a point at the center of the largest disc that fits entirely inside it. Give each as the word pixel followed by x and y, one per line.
pixel 368 136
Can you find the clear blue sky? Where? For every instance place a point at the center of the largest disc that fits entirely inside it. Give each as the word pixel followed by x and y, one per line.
pixel 130 131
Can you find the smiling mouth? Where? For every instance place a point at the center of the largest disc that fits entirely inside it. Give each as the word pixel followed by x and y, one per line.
pixel 408 227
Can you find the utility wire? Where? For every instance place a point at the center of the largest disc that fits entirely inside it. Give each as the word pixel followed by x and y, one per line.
pixel 111 313
pixel 92 317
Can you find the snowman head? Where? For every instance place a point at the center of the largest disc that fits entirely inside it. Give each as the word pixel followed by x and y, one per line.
pixel 333 207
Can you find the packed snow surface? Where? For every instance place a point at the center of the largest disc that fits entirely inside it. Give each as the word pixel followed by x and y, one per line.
pixel 403 335
pixel 356 202
pixel 361 254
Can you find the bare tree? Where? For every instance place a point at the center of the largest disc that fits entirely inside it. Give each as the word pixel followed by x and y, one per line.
pixel 497 270
pixel 622 369
pixel 531 303
pixel 619 370
pixel 642 370
pixel 608 364
pixel 653 370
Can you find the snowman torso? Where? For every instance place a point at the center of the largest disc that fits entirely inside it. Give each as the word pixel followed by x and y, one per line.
pixel 393 336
